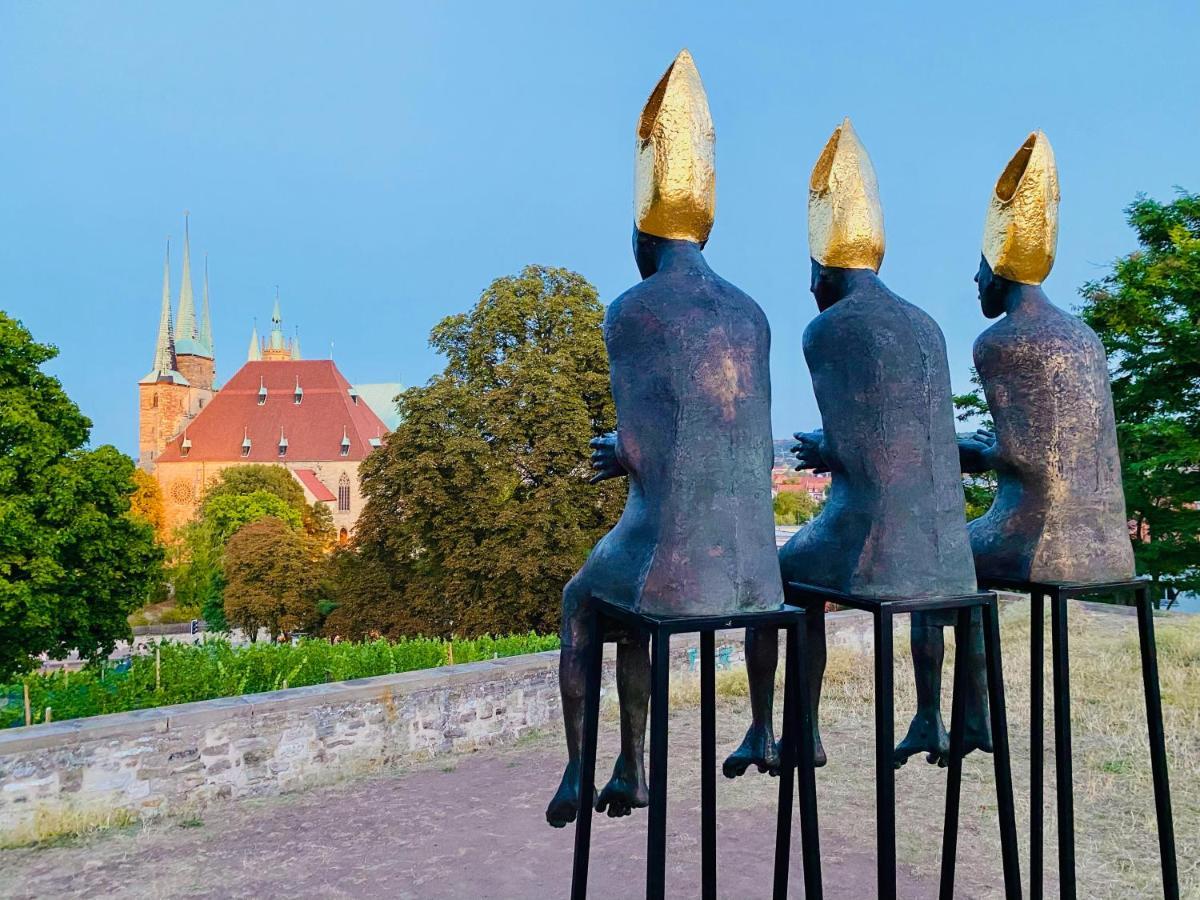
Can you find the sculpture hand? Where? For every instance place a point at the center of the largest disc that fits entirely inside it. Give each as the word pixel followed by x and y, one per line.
pixel 604 458
pixel 808 452
pixel 976 451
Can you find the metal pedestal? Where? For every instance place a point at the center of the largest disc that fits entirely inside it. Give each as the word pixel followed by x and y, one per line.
pixel 1059 594
pixel 796 754
pixel 814 599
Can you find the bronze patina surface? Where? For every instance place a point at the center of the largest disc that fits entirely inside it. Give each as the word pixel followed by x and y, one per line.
pixel 689 366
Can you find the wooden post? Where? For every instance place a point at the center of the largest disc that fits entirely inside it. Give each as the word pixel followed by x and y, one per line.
pixel 49 716
pixel 450 653
pixel 28 712
pixel 157 669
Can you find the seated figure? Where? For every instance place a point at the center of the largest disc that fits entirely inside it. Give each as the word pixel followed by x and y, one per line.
pixel 688 358
pixel 893 525
pixel 1059 512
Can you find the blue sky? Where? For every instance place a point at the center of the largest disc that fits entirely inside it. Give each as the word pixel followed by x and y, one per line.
pixel 382 163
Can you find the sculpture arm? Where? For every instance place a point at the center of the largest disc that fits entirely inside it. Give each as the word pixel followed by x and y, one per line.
pixel 977 452
pixel 606 460
pixel 810 451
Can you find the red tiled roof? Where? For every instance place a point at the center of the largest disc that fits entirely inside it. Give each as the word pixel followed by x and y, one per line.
pixel 313 428
pixel 309 479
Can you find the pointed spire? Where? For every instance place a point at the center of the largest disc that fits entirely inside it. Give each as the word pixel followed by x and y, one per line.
pixel 165 364
pixel 296 344
pixel 206 337
pixel 185 320
pixel 275 341
pixel 255 352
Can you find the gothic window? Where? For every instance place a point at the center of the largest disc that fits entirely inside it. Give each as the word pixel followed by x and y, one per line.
pixel 154 402
pixel 343 537
pixel 344 493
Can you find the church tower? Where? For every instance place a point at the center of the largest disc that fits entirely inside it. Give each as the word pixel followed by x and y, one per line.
pixel 193 336
pixel 164 394
pixel 276 347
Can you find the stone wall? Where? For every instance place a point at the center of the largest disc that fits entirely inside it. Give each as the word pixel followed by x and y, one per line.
pixel 174 759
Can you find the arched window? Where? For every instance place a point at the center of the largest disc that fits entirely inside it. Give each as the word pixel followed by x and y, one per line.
pixel 154 402
pixel 344 493
pixel 343 537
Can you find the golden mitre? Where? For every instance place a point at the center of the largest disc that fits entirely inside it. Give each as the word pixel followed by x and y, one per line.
pixel 845 218
pixel 1020 234
pixel 676 191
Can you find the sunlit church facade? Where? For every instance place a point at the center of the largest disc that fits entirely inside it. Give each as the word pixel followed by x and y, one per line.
pixel 277 408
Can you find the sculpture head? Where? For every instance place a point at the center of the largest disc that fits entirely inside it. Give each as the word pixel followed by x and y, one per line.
pixel 993 289
pixel 651 251
pixel 845 218
pixel 1020 234
pixel 675 190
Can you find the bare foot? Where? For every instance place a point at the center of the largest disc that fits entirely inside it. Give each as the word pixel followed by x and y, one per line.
pixel 758 749
pixel 819 756
pixel 626 790
pixel 927 734
pixel 564 806
pixel 978 736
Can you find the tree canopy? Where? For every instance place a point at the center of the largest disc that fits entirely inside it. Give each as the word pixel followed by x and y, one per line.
pixel 478 505
pixel 271 577
pixel 1147 313
pixel 73 561
pixel 794 508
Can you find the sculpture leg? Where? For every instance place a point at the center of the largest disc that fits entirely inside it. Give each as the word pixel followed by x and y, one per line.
pixel 572 680
pixel 927 733
pixel 979 728
pixel 626 790
pixel 758 747
pixel 814 652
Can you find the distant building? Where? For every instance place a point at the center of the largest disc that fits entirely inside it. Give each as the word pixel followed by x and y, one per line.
pixel 786 480
pixel 277 408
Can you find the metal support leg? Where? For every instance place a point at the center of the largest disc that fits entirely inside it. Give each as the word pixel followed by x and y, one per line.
pixel 1000 757
pixel 1064 783
pixel 802 738
pixel 708 767
pixel 885 777
pixel 788 746
pixel 1158 749
pixel 587 761
pixel 1037 724
pixel 958 729
pixel 656 838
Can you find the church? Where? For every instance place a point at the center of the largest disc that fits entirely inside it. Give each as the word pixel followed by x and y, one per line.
pixel 277 409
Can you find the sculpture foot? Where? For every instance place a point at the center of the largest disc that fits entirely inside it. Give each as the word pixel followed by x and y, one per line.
pixel 978 738
pixel 626 790
pixel 819 756
pixel 758 749
pixel 927 734
pixel 564 806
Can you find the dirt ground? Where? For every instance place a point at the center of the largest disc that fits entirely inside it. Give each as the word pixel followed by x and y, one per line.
pixel 473 827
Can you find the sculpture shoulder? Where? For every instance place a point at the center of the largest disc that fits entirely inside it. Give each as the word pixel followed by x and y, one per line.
pixel 1048 331
pixel 873 315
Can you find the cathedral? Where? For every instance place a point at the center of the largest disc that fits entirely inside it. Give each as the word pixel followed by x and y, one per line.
pixel 277 409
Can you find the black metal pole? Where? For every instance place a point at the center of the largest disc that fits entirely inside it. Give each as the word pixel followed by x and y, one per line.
pixel 802 739
pixel 787 770
pixel 1037 724
pixel 885 778
pixel 708 767
pixel 958 729
pixel 656 837
pixel 1158 748
pixel 1064 782
pixel 587 761
pixel 1001 762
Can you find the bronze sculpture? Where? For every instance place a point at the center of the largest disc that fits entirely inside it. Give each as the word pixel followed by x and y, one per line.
pixel 1059 512
pixel 893 525
pixel 688 358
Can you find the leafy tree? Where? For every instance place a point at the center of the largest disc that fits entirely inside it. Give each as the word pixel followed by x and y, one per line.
pixel 794 508
pixel 146 503
pixel 1147 313
pixel 73 562
pixel 278 480
pixel 271 577
pixel 979 490
pixel 478 505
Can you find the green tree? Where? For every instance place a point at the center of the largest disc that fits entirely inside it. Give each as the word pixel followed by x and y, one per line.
pixel 478 505
pixel 794 508
pixel 278 480
pixel 979 490
pixel 1147 313
pixel 271 576
pixel 73 562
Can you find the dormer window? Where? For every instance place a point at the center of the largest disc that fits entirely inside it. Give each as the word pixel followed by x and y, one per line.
pixel 376 442
pixel 185 446
pixel 299 394
pixel 262 393
pixel 345 447
pixel 353 395
pixel 246 443
pixel 283 444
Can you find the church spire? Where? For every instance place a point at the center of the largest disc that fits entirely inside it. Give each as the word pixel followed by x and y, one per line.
pixel 185 320
pixel 206 338
pixel 254 354
pixel 165 364
pixel 276 340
